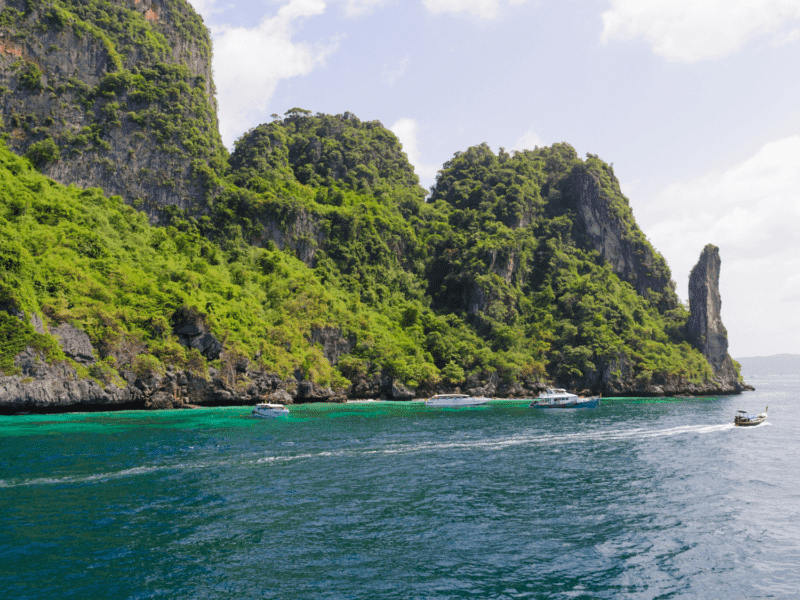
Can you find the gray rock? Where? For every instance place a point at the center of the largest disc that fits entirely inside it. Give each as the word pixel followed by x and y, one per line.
pixel 162 400
pixel 75 343
pixel 197 390
pixel 332 341
pixel 704 328
pixel 401 392
pixel 511 390
pixel 309 391
pixel 46 386
pixel 208 345
pixel 138 167
pixel 189 324
pixel 42 386
pixel 305 389
pixel 607 233
pixel 478 392
pixel 475 299
pixel 37 323
pixel 279 397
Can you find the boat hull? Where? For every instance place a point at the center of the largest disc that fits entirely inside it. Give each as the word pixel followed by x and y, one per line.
pixel 590 403
pixel 742 419
pixel 749 422
pixel 457 402
pixel 270 413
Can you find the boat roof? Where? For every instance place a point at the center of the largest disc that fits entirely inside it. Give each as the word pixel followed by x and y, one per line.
pixel 450 396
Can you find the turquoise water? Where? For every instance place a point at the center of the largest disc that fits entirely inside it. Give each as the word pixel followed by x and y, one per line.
pixel 650 498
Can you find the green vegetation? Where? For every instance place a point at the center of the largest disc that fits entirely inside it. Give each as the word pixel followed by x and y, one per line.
pixel 43 152
pixel 30 77
pixel 153 68
pixel 484 281
pixel 492 276
pixel 15 336
pixel 76 256
pixel 325 151
pixel 314 223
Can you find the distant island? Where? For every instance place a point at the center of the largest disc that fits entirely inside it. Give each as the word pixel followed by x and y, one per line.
pixel 143 265
pixel 767 366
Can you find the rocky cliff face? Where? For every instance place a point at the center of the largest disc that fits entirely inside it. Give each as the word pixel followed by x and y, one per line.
pixel 46 386
pixel 606 225
pixel 111 94
pixel 704 328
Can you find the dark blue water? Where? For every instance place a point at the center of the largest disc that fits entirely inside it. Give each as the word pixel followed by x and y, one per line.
pixel 636 499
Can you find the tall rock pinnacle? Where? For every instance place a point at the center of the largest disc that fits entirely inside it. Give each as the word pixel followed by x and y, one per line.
pixel 705 329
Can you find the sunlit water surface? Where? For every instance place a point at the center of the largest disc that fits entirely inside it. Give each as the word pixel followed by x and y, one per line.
pixel 648 498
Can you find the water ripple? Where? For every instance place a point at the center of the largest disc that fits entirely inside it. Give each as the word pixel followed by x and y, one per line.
pixel 633 500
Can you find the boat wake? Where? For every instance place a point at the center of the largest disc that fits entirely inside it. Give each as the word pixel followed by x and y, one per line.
pixel 538 439
pixel 69 479
pixel 533 439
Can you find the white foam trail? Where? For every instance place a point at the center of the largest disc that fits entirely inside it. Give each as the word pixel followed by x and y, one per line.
pixel 83 478
pixel 533 439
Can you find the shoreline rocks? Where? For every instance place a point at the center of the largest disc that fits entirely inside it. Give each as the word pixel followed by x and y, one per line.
pixel 59 387
pixel 42 387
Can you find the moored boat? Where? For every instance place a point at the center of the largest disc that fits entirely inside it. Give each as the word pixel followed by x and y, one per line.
pixel 456 400
pixel 559 398
pixel 268 411
pixel 742 419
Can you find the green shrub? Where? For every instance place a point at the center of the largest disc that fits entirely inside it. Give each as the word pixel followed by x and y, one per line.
pixel 15 336
pixel 30 77
pixel 43 152
pixel 147 365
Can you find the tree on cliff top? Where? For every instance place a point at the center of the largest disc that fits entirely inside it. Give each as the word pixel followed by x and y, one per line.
pixel 325 151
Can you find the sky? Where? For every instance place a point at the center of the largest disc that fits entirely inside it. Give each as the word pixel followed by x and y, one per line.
pixel 695 102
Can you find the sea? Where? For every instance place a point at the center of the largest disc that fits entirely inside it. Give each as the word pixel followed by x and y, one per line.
pixel 639 498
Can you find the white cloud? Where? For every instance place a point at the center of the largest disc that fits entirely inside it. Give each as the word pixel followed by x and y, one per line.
pixel 406 131
pixel 390 76
pixel 205 7
pixel 528 141
pixel 486 9
pixel 250 62
pixel 793 35
pixel 751 210
pixel 629 188
pixel 354 8
pixel 693 30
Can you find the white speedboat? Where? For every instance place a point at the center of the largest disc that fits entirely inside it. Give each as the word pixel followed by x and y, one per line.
pixel 455 400
pixel 558 398
pixel 269 411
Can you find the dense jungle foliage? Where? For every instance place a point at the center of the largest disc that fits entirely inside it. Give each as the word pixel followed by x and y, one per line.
pixel 496 250
pixel 485 279
pixel 75 256
pixel 313 223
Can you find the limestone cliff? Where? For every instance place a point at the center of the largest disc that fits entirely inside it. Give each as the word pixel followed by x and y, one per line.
pixel 335 156
pixel 111 94
pixel 704 328
pixel 39 385
pixel 519 271
pixel 605 223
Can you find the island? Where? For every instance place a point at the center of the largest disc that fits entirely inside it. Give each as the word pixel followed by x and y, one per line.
pixel 142 265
